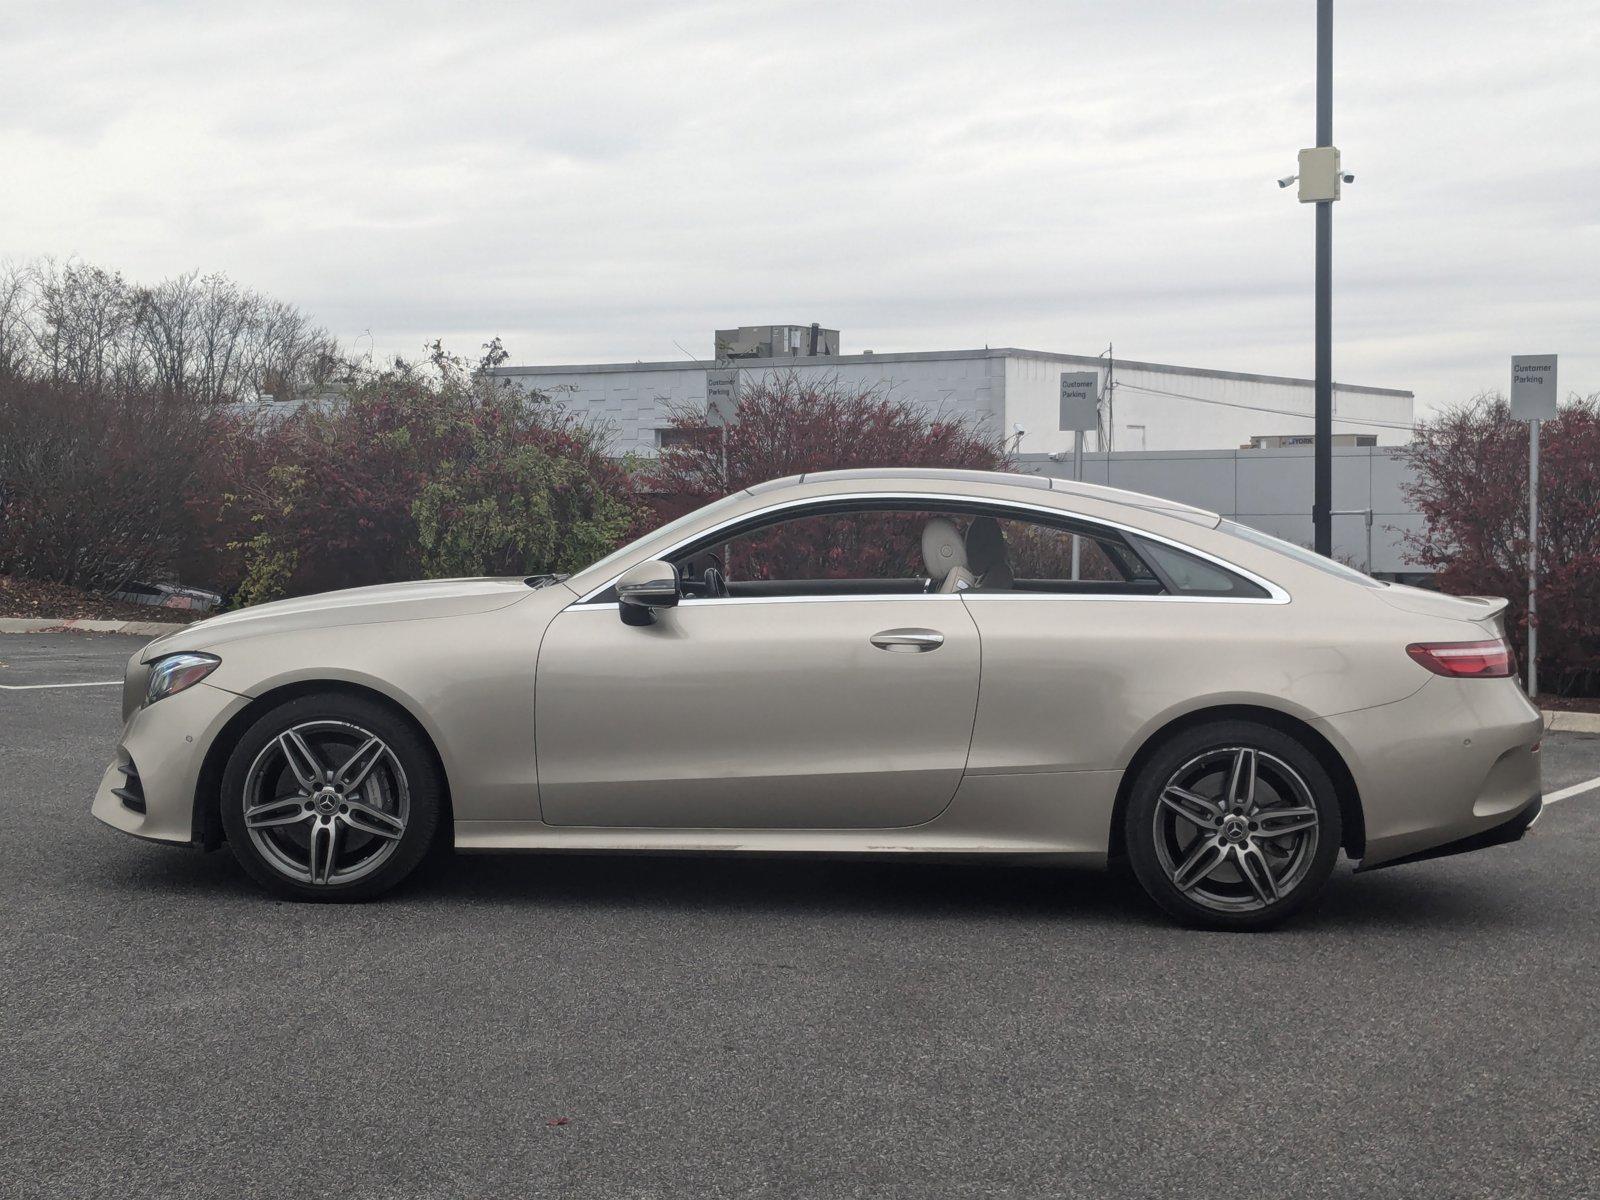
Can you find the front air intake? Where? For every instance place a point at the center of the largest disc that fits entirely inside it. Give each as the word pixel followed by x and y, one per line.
pixel 131 793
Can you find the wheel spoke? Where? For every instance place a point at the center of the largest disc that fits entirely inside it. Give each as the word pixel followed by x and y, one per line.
pixel 1204 857
pixel 1279 822
pixel 1242 779
pixel 303 761
pixel 1192 807
pixel 288 811
pixel 359 765
pixel 367 819
pixel 324 850
pixel 1257 872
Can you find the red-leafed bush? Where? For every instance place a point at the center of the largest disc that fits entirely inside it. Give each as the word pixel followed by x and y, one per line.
pixel 788 425
pixel 1471 487
pixel 96 480
pixel 414 473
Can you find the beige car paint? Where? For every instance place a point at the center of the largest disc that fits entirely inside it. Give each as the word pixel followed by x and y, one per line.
pixel 168 745
pixel 766 714
pixel 1068 690
pixel 1122 669
pixel 1452 760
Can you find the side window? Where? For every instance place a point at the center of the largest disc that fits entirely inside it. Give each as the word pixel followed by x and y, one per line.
pixel 1043 554
pixel 1194 576
pixel 907 549
pixel 841 552
pixel 872 545
pixel 1008 554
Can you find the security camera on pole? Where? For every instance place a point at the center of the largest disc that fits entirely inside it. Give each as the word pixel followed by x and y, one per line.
pixel 1533 399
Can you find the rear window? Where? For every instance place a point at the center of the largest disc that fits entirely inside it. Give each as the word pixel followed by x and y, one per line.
pixel 1190 575
pixel 1300 554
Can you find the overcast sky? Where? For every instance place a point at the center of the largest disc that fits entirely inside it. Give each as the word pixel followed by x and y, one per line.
pixel 601 181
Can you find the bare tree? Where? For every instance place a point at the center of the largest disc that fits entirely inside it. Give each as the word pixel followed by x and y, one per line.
pixel 224 316
pixel 202 337
pixel 167 330
pixel 82 315
pixel 16 340
pixel 285 354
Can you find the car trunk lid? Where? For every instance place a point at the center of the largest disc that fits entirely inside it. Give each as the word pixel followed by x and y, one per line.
pixel 1486 611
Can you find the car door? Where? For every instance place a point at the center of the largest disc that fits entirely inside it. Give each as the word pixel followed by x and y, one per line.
pixel 758 713
pixel 824 687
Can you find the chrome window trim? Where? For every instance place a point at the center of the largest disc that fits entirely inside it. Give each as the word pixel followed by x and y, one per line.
pixel 1164 598
pixel 868 597
pixel 1275 594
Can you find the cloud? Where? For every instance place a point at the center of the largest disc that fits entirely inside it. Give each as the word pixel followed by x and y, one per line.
pixel 606 181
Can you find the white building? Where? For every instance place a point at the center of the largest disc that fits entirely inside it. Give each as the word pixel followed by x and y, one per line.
pixel 1149 406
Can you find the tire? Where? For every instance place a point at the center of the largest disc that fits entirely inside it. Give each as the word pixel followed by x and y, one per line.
pixel 1250 863
pixel 306 836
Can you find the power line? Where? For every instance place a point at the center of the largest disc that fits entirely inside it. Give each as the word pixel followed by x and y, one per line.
pixel 1282 412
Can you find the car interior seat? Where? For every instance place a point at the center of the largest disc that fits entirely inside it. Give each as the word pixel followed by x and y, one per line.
pixel 944 556
pixel 986 554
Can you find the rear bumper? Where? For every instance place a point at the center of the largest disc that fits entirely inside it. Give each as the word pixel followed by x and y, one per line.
pixel 1503 834
pixel 1453 762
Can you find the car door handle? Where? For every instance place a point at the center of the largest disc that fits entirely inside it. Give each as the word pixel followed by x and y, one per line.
pixel 908 641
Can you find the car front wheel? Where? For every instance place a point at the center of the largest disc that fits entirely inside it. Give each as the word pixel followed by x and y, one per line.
pixel 1232 825
pixel 330 797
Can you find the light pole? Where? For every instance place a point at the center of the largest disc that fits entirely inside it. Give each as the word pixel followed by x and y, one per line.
pixel 1320 176
pixel 1322 450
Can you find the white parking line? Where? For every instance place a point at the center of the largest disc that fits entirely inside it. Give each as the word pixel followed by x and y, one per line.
pixel 1576 789
pixel 33 687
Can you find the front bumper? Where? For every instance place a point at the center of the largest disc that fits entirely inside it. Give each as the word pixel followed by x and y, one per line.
pixel 166 744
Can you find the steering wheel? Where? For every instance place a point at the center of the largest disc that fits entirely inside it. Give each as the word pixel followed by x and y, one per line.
pixel 709 582
pixel 715 577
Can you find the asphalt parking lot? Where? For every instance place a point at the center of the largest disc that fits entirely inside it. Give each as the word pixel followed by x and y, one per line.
pixel 590 1026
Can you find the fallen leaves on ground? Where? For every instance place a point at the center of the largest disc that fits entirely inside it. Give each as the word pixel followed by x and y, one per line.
pixel 35 598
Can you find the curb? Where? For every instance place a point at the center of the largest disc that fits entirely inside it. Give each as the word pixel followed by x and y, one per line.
pixel 1570 722
pixel 49 625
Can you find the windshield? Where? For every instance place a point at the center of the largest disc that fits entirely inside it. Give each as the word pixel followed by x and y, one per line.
pixel 689 518
pixel 1300 554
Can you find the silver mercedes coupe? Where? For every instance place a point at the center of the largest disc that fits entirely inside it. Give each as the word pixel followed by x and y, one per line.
pixel 881 662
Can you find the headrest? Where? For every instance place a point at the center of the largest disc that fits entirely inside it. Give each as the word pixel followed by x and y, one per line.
pixel 986 545
pixel 942 548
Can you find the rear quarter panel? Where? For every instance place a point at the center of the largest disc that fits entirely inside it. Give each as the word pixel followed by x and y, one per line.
pixel 1081 684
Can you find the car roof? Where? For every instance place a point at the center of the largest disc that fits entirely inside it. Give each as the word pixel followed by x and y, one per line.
pixel 1006 479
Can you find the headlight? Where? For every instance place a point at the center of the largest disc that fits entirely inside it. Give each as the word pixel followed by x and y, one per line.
pixel 177 671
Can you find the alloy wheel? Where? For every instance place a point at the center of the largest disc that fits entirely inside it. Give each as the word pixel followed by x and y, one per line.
pixel 326 802
pixel 1236 829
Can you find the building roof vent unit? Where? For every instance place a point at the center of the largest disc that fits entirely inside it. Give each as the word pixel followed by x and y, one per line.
pixel 777 341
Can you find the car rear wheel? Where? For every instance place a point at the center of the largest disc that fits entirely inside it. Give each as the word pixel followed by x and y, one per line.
pixel 330 797
pixel 1232 825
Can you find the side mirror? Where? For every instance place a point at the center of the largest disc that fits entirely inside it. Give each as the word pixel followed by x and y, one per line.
pixel 648 586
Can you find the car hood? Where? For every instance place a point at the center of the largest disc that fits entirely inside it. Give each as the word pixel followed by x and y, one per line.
pixel 1477 609
pixel 353 606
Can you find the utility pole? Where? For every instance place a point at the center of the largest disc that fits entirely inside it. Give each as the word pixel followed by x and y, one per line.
pixel 1108 433
pixel 1320 176
pixel 1322 484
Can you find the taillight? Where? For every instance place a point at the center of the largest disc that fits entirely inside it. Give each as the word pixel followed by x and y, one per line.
pixel 1466 660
